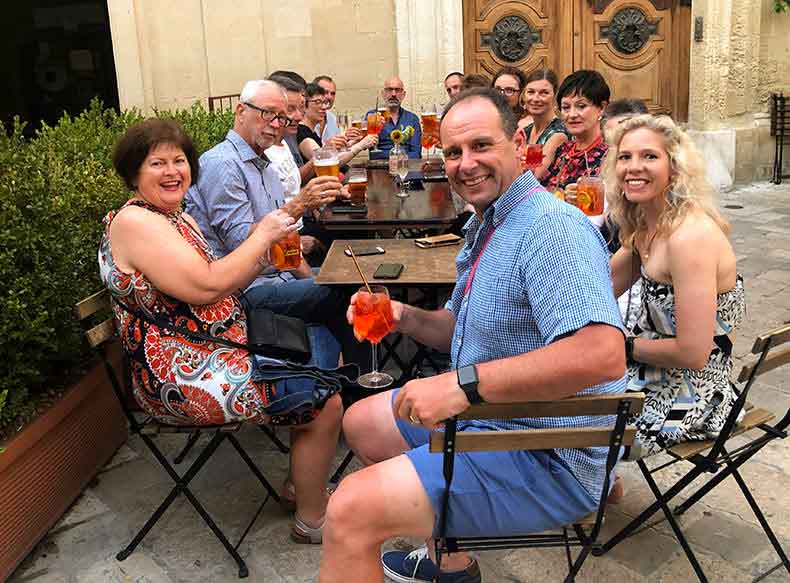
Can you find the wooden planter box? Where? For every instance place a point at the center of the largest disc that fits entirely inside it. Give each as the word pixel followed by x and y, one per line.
pixel 48 464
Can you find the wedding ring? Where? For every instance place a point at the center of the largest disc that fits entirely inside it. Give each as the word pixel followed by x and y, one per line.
pixel 414 421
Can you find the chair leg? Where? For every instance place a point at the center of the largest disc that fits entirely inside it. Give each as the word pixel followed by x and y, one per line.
pixel 761 518
pixel 723 474
pixel 631 527
pixel 274 439
pixel 187 447
pixel 341 468
pixel 674 524
pixel 254 468
pixel 770 571
pixel 577 565
pixel 182 486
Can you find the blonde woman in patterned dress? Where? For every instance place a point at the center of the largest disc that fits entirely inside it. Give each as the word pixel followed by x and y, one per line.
pixel 162 276
pixel 673 238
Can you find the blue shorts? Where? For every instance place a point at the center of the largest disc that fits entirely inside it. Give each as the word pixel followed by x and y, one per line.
pixel 499 493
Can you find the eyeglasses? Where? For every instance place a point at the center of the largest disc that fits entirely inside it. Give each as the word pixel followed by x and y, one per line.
pixel 509 91
pixel 321 102
pixel 269 116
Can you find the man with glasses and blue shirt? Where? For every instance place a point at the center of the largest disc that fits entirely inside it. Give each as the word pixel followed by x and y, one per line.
pixel 399 118
pixel 238 186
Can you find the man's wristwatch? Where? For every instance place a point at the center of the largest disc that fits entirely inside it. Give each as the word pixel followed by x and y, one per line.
pixel 467 380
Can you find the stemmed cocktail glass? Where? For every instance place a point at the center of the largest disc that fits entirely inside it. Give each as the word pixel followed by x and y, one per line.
pixel 373 320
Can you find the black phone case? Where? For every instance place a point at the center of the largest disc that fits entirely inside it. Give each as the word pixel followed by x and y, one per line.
pixel 388 271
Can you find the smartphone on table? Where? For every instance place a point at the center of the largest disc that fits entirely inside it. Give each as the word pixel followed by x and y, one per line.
pixel 362 250
pixel 388 271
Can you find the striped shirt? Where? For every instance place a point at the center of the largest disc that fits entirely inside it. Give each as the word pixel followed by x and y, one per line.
pixel 544 274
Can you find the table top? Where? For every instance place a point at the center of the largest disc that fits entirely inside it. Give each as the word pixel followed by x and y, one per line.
pixel 422 267
pixel 429 206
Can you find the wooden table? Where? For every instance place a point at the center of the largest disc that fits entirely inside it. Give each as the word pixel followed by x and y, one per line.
pixel 430 206
pixel 427 274
pixel 421 267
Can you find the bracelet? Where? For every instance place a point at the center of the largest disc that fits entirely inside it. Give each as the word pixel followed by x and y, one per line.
pixel 629 348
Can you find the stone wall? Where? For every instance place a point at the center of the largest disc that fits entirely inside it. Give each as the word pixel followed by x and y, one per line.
pixel 743 58
pixel 172 54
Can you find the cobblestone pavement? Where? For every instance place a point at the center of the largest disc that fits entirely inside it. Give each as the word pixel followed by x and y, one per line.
pixel 722 529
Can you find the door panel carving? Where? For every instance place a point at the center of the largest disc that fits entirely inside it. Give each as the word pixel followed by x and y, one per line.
pixel 641 47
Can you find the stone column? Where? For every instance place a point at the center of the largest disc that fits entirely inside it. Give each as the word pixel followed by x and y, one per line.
pixel 723 97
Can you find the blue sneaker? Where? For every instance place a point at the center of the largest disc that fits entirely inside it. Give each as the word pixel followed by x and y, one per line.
pixel 416 567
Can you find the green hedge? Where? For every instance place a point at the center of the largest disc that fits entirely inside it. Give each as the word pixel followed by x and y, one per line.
pixel 54 191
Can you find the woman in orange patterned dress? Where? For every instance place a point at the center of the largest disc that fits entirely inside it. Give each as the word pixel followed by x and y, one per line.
pixel 164 278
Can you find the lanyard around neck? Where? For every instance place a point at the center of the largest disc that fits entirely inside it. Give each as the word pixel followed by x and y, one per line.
pixel 488 238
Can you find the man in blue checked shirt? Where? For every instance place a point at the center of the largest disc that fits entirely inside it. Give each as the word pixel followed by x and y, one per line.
pixel 532 317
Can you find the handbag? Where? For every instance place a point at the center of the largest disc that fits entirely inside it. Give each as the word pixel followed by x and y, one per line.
pixel 277 336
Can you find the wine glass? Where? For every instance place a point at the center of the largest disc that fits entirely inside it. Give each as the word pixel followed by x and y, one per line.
pixel 402 171
pixel 375 125
pixel 373 320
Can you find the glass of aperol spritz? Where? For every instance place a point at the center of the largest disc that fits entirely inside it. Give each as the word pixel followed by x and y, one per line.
pixel 373 320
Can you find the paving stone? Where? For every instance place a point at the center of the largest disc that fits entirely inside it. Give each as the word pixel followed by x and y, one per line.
pixel 734 540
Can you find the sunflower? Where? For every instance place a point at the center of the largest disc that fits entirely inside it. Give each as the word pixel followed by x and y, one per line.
pixel 397 136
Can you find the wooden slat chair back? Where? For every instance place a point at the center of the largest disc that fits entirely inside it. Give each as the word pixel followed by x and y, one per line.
pixel 714 456
pixel 223 102
pixel 614 436
pixel 99 329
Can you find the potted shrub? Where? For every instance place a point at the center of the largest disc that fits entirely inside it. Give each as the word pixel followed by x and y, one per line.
pixel 59 422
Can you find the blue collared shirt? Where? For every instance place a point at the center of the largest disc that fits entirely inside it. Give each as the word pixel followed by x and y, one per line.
pixel 330 129
pixel 543 274
pixel 413 146
pixel 235 189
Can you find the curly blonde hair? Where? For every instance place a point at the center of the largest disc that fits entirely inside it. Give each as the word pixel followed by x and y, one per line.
pixel 689 189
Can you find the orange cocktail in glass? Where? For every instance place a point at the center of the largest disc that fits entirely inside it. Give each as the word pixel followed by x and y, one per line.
pixel 532 156
pixel 373 320
pixel 589 195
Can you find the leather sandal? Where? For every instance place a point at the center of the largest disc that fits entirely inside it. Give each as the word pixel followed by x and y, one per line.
pixel 288 496
pixel 306 535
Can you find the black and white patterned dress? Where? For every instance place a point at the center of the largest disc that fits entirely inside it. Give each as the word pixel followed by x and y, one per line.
pixel 683 404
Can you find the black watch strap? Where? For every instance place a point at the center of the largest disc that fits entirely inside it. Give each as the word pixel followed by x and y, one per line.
pixel 468 380
pixel 629 348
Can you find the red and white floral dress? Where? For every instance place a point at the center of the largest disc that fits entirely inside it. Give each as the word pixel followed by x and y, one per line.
pixel 177 379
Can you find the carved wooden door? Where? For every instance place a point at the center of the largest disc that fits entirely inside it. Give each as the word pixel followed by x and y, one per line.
pixel 641 47
pixel 528 34
pixel 634 44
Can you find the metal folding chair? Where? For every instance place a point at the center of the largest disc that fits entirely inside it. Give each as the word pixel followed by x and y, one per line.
pixel 584 532
pixel 99 337
pixel 719 459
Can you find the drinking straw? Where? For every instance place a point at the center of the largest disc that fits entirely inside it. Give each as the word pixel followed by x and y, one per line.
pixel 356 264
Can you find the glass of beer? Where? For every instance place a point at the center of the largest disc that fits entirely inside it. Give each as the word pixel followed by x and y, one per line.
pixel 589 195
pixel 532 156
pixel 356 124
pixel 287 252
pixel 358 186
pixel 326 162
pixel 373 320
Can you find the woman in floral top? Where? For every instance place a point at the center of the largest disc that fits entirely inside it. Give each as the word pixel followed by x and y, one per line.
pixel 582 98
pixel 172 297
